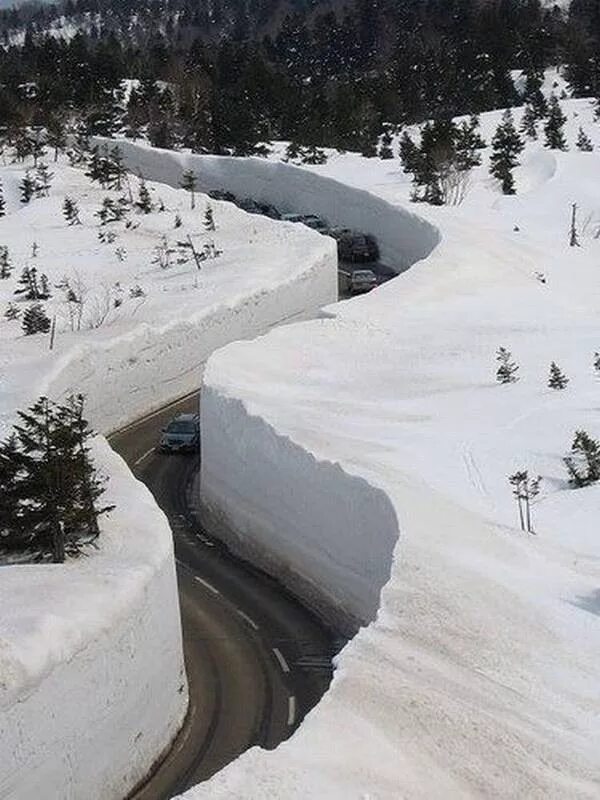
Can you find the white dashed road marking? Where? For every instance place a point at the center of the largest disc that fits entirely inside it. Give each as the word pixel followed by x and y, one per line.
pixel 144 457
pixel 282 662
pixel 208 585
pixel 291 710
pixel 248 619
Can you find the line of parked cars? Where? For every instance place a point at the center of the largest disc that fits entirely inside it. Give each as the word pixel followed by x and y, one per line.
pixel 353 246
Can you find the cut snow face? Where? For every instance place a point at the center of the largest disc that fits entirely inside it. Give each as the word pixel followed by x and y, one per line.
pixel 480 676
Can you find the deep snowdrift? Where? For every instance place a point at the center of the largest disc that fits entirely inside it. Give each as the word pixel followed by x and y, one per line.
pixel 92 687
pixel 479 677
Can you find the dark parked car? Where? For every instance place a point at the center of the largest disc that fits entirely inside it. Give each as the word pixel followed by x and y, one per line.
pixel 362 280
pixel 182 435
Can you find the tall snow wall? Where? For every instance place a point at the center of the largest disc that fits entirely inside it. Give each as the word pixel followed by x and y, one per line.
pixel 92 685
pixel 403 238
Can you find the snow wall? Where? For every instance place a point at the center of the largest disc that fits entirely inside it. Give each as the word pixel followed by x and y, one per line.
pixel 77 668
pixel 327 535
pixel 403 238
pixel 92 681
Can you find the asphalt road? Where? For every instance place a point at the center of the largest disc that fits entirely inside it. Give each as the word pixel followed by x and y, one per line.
pixel 257 660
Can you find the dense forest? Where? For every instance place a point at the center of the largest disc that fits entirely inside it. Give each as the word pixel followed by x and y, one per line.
pixel 222 76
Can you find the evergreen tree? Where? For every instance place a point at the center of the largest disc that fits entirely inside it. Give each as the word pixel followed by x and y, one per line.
pixel 409 153
pixel 44 287
pixel 177 223
pixel 43 180
pixel 116 170
pixel 56 134
pixel 553 129
pixel 557 379
pixel 596 362
pixel 35 320
pixel 188 182
pixel 12 312
pixel 528 123
pixel 71 211
pixel 144 201
pixel 27 188
pixel 28 284
pixel 2 201
pixel 47 472
pixel 209 220
pixel 583 465
pixel 507 369
pixel 5 263
pixel 38 150
pixel 385 145
pixel 584 143
pixel 506 146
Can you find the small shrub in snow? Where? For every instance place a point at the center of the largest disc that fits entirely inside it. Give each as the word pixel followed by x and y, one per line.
pixel 409 153
pixel 584 143
pixel 188 182
pixel 12 312
pixel 35 320
pixel 177 222
pixel 112 210
pixel 35 249
pixel 71 211
pixel 2 201
pixel 162 253
pixel 313 155
pixel 136 291
pixel 27 188
pixel 596 363
pixel 209 219
pixel 385 145
pixel 121 253
pixel 5 263
pixel 49 483
pixel 507 369
pixel 525 489
pixel 553 129
pixel 144 201
pixel 506 146
pixel 583 465
pixel 557 379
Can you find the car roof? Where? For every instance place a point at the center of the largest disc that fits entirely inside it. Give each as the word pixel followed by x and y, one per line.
pixel 185 418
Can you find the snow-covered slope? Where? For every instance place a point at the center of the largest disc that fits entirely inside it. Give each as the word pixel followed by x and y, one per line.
pixel 92 687
pixel 479 676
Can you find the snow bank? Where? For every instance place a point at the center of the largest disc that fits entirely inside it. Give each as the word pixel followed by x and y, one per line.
pixel 92 685
pixel 289 531
pixel 479 676
pixel 403 236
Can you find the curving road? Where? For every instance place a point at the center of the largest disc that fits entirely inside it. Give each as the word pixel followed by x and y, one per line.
pixel 257 660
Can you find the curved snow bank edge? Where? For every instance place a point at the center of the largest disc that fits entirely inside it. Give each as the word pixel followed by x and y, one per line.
pixel 403 237
pixel 283 531
pixel 81 664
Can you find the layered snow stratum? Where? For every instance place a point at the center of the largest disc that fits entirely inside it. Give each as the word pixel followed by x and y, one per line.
pixel 92 686
pixel 478 674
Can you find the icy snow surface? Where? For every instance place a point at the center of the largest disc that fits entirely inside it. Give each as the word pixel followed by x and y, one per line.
pixel 91 669
pixel 480 675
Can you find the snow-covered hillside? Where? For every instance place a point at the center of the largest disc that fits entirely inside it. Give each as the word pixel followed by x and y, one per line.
pixel 479 677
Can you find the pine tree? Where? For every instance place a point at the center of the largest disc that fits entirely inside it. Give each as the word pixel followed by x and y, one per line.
pixel 409 153
pixel 209 220
pixel 38 150
pixel 596 362
pixel 28 283
pixel 27 188
pixel 71 211
pixel 188 182
pixel 2 201
pixel 5 263
pixel 56 134
pixel 528 123
pixel 507 369
pixel 506 146
pixel 556 379
pixel 35 320
pixel 53 485
pixel 177 223
pixel 584 143
pixel 583 465
pixel 116 170
pixel 12 312
pixel 43 180
pixel 44 287
pixel 385 145
pixel 144 202
pixel 553 129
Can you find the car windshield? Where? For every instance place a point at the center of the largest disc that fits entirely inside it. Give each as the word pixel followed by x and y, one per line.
pixel 181 427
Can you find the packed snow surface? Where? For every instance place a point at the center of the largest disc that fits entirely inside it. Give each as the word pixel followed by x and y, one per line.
pixel 479 675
